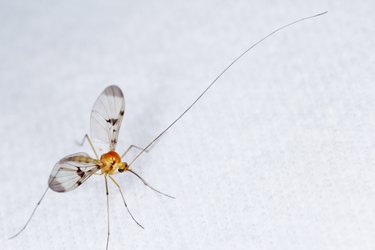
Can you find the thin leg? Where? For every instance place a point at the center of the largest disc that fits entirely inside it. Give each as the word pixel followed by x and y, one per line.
pixel 122 195
pixel 107 195
pixel 90 142
pixel 144 182
pixel 31 216
pixel 152 143
pixel 130 147
pixel 143 150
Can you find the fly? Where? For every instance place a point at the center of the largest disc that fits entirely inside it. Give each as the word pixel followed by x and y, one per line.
pixel 105 122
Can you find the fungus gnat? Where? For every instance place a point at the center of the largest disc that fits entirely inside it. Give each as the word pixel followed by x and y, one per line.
pixel 106 117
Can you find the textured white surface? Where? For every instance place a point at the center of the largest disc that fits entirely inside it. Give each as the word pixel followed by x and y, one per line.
pixel 278 155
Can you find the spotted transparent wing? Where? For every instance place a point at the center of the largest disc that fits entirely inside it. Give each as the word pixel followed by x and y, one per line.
pixel 106 116
pixel 71 171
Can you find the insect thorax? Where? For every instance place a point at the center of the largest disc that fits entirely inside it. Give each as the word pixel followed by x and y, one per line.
pixel 111 162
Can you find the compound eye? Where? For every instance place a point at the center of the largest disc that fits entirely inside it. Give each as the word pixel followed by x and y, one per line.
pixel 123 166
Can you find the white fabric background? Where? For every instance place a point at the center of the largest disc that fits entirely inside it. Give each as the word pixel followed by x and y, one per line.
pixel 280 154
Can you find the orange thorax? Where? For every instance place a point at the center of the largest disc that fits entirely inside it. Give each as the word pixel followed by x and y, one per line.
pixel 111 161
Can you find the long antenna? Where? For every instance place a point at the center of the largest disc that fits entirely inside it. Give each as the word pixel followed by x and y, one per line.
pixel 214 81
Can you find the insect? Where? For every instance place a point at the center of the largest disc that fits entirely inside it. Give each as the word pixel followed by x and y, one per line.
pixel 106 117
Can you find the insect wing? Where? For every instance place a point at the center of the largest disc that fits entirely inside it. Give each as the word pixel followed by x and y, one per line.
pixel 71 171
pixel 106 116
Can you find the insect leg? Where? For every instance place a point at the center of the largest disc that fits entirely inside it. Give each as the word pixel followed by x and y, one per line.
pixel 148 185
pixel 31 216
pixel 107 195
pixel 122 195
pixel 130 147
pixel 91 145
pixel 143 150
